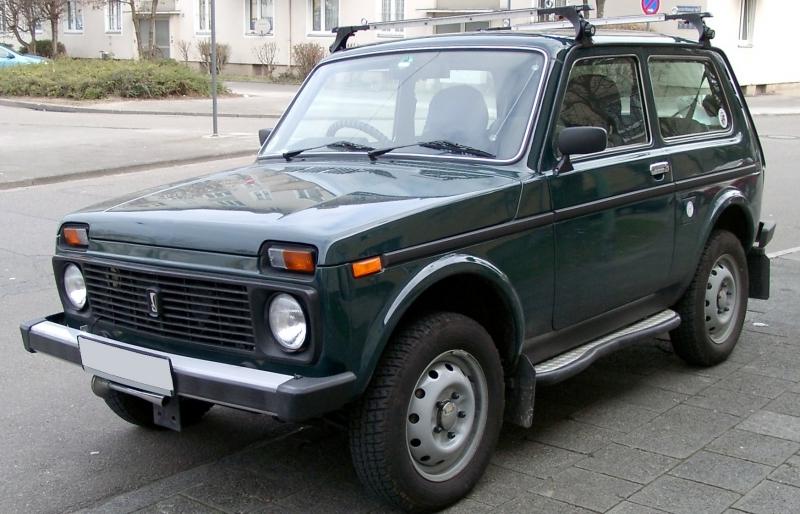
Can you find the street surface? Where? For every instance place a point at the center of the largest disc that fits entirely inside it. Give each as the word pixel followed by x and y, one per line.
pixel 639 430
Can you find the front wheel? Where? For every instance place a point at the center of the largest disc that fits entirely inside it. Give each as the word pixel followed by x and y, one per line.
pixel 426 427
pixel 713 308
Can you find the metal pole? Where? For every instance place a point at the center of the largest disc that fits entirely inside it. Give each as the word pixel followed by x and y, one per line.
pixel 214 67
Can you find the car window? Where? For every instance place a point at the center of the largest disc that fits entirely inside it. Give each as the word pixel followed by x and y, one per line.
pixel 688 97
pixel 427 89
pixel 605 92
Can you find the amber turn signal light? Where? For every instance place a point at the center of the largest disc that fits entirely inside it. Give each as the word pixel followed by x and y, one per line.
pixel 367 267
pixel 292 259
pixel 75 236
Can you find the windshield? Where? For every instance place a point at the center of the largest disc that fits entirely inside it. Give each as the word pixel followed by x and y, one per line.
pixel 480 99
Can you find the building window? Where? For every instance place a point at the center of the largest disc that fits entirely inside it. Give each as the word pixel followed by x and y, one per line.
pixel 747 18
pixel 203 15
pixel 74 16
pixel 324 15
pixel 393 10
pixel 260 16
pixel 114 16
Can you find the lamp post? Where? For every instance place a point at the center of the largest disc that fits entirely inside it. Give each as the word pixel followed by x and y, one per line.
pixel 214 68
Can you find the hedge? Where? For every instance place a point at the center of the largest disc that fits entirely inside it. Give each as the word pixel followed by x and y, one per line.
pixel 89 79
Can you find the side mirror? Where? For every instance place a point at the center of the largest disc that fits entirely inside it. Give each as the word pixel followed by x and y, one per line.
pixel 10 56
pixel 579 141
pixel 263 134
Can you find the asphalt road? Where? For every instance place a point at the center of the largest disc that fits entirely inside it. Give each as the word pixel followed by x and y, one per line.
pixel 61 448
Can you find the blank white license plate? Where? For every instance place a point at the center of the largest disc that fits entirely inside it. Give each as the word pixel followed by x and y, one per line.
pixel 136 369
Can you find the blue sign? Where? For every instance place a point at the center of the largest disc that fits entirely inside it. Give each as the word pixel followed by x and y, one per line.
pixel 651 6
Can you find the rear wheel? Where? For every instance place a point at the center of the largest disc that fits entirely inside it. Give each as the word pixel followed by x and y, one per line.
pixel 140 412
pixel 425 430
pixel 714 306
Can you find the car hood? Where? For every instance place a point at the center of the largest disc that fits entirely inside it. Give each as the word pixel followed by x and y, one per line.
pixel 345 210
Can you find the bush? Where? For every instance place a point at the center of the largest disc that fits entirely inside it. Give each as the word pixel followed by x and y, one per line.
pixel 44 47
pixel 88 79
pixel 306 56
pixel 204 49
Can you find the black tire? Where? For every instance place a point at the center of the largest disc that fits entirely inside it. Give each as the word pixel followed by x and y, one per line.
pixel 140 412
pixel 379 442
pixel 704 338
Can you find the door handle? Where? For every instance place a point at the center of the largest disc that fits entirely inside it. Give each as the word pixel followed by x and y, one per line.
pixel 659 169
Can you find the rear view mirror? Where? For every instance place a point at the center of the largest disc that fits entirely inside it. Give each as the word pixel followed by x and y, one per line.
pixel 579 141
pixel 263 134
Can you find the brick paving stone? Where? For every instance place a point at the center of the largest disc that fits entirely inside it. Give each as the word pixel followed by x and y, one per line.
pixel 534 503
pixel 588 489
pixel 238 490
pixel 787 403
pixel 179 505
pixel 722 471
pixel 754 447
pixel 615 415
pixel 535 459
pixel 774 424
pixel 330 498
pixel 679 432
pixel 788 473
pixel 628 463
pixel 653 398
pixel 465 506
pixel 681 496
pixel 571 435
pixel 781 362
pixel 758 385
pixel 727 401
pixel 501 485
pixel 770 498
pixel 679 382
pixel 627 507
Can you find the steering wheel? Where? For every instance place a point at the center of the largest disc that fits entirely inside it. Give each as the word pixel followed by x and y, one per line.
pixel 360 126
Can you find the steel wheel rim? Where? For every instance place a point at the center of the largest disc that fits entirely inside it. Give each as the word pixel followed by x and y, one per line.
pixel 722 303
pixel 446 415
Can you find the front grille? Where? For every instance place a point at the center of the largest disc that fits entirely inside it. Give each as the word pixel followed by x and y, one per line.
pixel 191 310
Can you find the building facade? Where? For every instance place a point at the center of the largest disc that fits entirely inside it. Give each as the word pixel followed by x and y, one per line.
pixel 752 32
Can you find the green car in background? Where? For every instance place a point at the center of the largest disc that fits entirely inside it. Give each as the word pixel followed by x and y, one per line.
pixel 435 227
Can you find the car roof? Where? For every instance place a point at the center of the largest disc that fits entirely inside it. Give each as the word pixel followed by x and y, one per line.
pixel 551 42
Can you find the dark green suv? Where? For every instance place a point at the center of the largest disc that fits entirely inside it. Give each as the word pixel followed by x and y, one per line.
pixel 435 227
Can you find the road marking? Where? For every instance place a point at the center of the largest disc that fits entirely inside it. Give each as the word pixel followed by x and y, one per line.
pixel 781 253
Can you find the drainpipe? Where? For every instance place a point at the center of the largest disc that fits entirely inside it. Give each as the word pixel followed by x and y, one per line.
pixel 291 27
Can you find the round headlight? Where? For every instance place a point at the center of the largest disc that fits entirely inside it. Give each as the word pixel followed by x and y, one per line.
pixel 287 322
pixel 75 286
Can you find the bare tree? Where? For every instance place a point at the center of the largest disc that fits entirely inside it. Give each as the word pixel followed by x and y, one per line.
pixel 601 6
pixel 184 47
pixel 150 51
pixel 21 18
pixel 53 10
pixel 266 53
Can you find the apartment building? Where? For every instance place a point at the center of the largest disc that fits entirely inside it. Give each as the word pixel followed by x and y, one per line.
pixel 752 32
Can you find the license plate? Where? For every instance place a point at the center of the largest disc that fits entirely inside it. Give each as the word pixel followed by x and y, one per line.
pixel 129 367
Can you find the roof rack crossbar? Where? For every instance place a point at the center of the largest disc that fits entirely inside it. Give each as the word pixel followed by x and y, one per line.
pixel 344 33
pixel 572 18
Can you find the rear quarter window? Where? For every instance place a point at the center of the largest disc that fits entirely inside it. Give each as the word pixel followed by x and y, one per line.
pixel 688 97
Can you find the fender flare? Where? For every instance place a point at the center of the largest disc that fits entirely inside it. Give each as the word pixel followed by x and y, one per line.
pixel 728 198
pixel 447 266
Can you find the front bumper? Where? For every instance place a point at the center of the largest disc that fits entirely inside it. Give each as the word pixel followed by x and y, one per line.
pixel 290 397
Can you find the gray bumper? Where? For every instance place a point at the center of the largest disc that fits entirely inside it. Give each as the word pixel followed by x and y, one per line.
pixel 289 397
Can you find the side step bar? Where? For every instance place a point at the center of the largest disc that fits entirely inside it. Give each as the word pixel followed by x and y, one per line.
pixel 574 361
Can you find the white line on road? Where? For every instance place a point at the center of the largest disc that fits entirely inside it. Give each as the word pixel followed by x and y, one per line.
pixel 781 253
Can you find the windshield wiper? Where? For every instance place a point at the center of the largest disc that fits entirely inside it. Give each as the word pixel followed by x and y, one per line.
pixel 447 146
pixel 336 145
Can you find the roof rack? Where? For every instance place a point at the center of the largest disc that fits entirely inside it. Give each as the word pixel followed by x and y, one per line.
pixel 571 13
pixel 572 17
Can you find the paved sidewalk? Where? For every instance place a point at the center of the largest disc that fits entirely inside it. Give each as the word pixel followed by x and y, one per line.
pixel 638 432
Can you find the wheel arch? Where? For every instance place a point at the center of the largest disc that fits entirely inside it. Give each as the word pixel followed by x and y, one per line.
pixel 458 283
pixel 731 212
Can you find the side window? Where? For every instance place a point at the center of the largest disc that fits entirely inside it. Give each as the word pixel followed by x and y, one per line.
pixel 688 97
pixel 606 93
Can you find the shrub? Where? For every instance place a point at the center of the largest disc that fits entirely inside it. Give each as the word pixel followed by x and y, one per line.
pixel 306 56
pixel 204 49
pixel 266 53
pixel 44 47
pixel 89 79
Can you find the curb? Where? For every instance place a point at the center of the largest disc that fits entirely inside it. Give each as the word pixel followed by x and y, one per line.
pixel 38 106
pixel 77 175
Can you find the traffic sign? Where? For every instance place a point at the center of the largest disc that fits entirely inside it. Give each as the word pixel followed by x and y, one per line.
pixel 651 6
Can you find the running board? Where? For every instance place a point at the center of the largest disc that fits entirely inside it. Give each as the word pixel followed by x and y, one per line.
pixel 574 361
